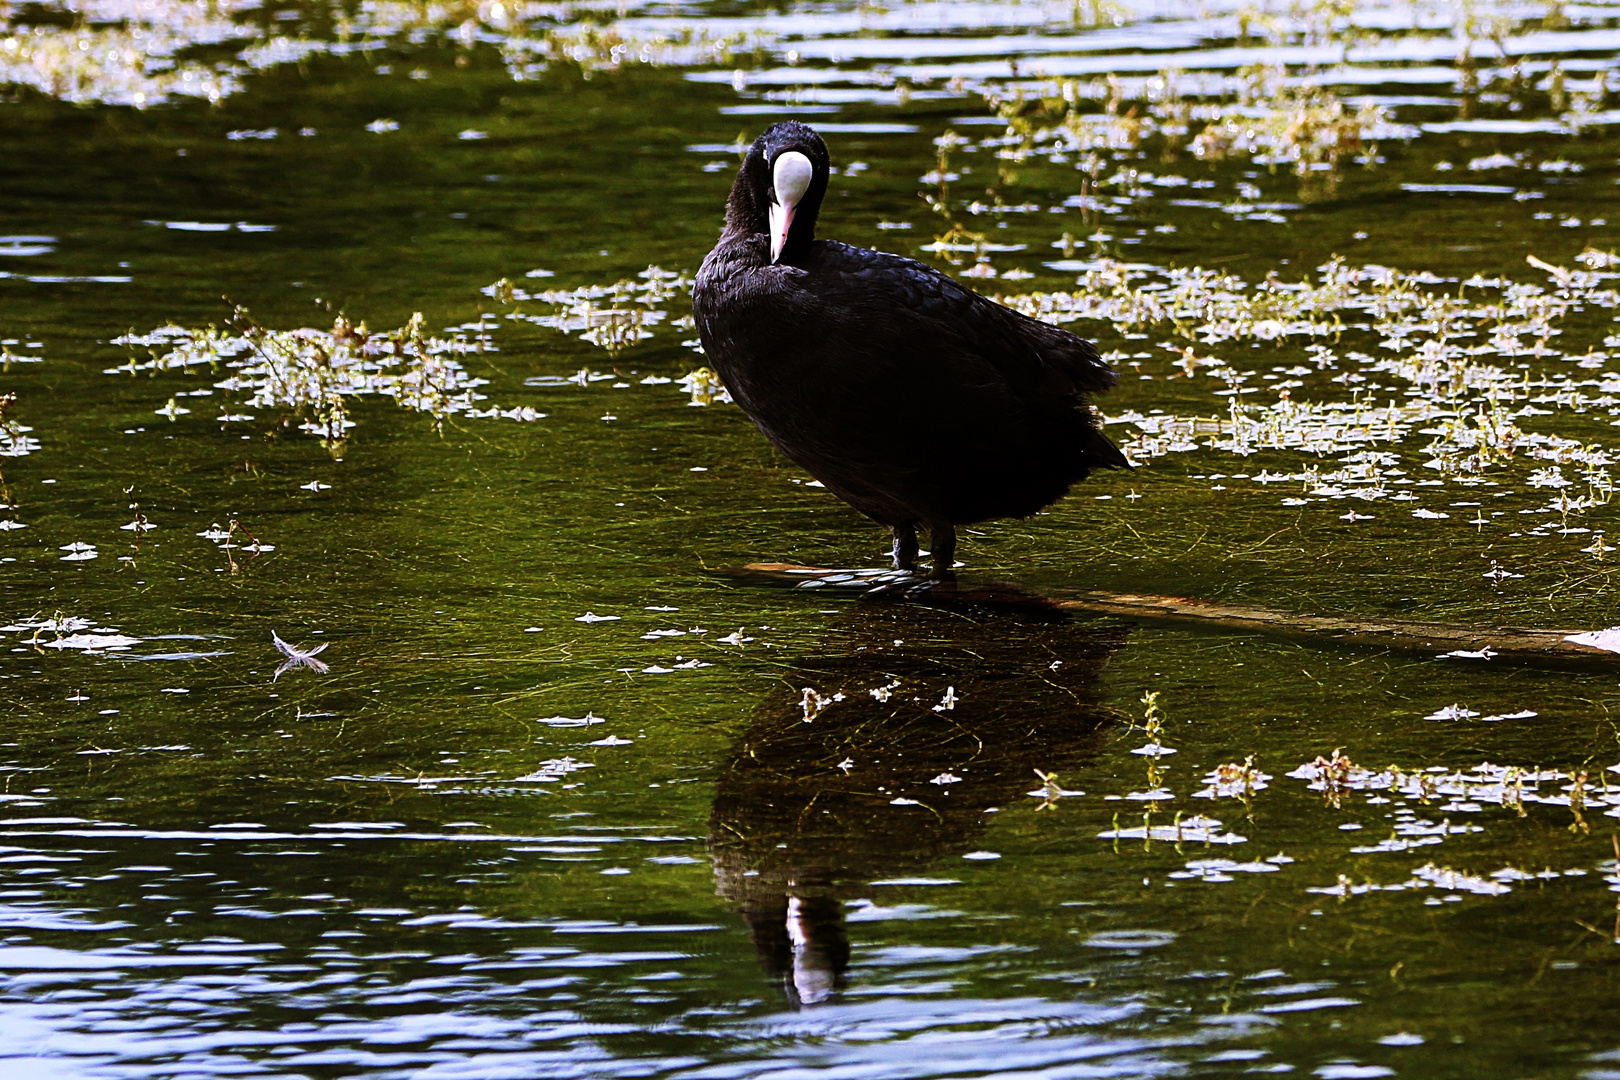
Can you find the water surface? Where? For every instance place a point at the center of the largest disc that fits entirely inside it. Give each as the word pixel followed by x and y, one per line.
pixel 573 797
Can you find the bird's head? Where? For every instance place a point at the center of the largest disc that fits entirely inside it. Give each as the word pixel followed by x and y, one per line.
pixel 779 188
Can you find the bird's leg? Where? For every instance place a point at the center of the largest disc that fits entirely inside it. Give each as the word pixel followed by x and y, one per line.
pixel 905 546
pixel 942 539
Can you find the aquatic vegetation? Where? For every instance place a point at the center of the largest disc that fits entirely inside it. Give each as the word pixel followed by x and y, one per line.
pixel 706 388
pixel 310 375
pixel 7 357
pixel 1443 343
pixel 813 702
pixel 552 770
pixel 595 47
pixel 1258 114
pixel 148 52
pixel 70 632
pixel 1234 780
pixel 1213 871
pixel 1193 830
pixel 226 540
pixel 1153 724
pixel 15 441
pixel 123 53
pixel 1467 791
pixel 1450 796
pixel 1443 878
pixel 1050 791
pixel 1288 106
pixel 1394 310
pixel 614 317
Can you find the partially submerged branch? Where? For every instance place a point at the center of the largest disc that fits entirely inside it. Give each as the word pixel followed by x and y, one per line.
pixel 1513 644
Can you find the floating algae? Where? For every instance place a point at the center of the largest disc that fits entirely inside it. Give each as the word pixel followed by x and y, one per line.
pixel 146 53
pixel 311 374
pixel 614 317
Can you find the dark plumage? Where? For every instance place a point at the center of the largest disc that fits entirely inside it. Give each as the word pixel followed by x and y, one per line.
pixel 912 398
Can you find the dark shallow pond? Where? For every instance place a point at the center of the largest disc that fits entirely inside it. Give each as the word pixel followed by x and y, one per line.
pixel 566 794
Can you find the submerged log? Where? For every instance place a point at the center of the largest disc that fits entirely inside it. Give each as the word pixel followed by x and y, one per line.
pixel 1464 643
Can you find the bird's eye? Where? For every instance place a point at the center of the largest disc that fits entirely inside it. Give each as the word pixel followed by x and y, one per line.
pixel 790 176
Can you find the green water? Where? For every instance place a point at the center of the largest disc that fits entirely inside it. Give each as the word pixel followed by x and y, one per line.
pixel 432 859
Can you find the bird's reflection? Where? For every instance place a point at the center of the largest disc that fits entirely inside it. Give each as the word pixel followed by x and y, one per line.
pixel 889 752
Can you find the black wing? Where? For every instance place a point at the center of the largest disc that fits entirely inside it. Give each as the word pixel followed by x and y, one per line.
pixel 1036 358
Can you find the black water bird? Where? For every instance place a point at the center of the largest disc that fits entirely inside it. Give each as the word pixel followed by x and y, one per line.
pixel 911 397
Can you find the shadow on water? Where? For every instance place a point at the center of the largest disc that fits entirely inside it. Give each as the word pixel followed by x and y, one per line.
pixel 887 753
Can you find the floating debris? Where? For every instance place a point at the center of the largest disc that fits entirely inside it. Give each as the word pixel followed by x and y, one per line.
pixel 570 721
pixel 1130 939
pixel 1452 712
pixel 813 703
pixel 552 770
pixel 1522 714
pixel 99 641
pixel 1429 876
pixel 61 624
pixel 1607 640
pixel 297 657
pixel 1192 830
pixel 1218 870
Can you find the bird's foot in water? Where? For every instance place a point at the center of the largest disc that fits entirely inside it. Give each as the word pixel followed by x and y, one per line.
pixel 904 551
pixel 942 538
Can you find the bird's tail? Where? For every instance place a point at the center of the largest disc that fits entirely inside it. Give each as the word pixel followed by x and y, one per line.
pixel 1097 451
